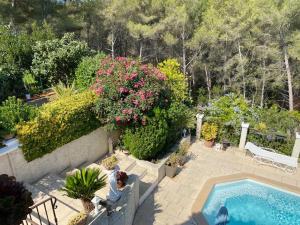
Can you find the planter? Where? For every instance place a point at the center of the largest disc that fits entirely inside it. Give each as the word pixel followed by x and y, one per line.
pixel 209 144
pixel 171 171
pixel 87 205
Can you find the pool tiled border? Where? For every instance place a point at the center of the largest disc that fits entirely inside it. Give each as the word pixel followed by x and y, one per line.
pixel 203 195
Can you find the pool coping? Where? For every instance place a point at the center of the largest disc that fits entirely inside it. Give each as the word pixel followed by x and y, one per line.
pixel 209 184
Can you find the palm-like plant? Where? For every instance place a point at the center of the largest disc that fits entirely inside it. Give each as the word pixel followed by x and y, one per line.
pixel 83 185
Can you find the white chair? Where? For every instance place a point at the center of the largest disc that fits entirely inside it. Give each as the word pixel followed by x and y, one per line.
pixel 262 156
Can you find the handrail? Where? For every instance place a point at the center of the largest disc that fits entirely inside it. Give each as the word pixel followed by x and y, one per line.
pixel 41 219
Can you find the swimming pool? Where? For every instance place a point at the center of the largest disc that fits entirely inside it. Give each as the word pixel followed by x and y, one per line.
pixel 252 203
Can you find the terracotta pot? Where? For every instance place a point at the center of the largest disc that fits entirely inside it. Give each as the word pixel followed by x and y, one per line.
pixel 171 171
pixel 87 205
pixel 209 144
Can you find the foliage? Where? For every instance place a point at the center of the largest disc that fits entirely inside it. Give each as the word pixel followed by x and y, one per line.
pixel 15 201
pixel 145 142
pixel 85 73
pixel 84 183
pixel 269 127
pixel 58 123
pixel 209 131
pixel 274 128
pixel 128 90
pixel 56 60
pixel 78 219
pixel 29 82
pixel 228 112
pixel 179 117
pixel 174 160
pixel 61 90
pixel 12 112
pixel 175 79
pixel 16 54
pixel 109 163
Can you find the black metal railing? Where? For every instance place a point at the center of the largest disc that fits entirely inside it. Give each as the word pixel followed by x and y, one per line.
pixel 40 214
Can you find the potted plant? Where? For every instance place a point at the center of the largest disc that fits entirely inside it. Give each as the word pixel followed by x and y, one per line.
pixel 209 132
pixel 15 200
pixel 83 185
pixel 172 164
pixel 29 84
pixel 110 163
pixel 78 219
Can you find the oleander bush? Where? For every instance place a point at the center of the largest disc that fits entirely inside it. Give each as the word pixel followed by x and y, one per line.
pixel 146 142
pixel 58 123
pixel 128 90
pixel 12 112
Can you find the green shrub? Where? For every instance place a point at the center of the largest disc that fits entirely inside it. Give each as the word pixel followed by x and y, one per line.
pixel 146 142
pixel 175 79
pixel 61 90
pixel 179 117
pixel 58 123
pixel 14 111
pixel 15 201
pixel 85 73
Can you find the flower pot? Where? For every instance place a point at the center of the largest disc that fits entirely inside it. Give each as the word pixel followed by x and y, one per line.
pixel 87 205
pixel 28 97
pixel 171 171
pixel 209 144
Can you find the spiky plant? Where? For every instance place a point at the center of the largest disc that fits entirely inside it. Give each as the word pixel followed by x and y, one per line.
pixel 83 185
pixel 61 90
pixel 15 201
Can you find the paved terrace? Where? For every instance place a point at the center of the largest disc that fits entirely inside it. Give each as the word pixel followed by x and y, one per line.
pixel 171 203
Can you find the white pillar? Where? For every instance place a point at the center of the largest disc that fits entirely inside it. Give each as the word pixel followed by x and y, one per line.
pixel 110 146
pixel 296 149
pixel 243 137
pixel 199 125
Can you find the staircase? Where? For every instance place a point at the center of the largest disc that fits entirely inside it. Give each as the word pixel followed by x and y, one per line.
pixel 50 185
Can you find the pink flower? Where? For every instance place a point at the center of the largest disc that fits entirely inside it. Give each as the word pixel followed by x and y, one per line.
pixel 118 118
pixel 99 90
pixel 135 117
pixel 123 90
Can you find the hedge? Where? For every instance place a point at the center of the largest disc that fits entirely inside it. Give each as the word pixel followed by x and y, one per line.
pixel 58 123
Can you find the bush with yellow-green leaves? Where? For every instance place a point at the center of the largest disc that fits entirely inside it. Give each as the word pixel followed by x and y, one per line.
pixel 58 123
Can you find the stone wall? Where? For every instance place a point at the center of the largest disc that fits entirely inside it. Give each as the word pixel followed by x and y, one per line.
pixel 87 148
pixel 124 209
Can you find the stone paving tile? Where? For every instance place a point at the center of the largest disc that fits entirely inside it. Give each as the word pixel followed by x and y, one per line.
pixel 172 200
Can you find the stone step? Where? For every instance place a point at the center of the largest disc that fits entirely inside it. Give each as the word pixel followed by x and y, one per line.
pixel 138 170
pixel 126 164
pixel 41 190
pixel 69 171
pixel 51 185
pixel 146 182
pixel 36 194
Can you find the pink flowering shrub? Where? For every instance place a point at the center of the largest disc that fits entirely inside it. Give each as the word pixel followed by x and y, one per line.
pixel 128 90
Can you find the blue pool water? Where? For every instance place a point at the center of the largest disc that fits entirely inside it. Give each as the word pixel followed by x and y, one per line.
pixel 252 203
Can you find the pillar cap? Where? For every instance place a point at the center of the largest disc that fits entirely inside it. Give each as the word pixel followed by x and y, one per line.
pixel 245 125
pixel 200 116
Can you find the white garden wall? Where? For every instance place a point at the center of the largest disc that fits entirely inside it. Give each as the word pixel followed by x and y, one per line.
pixel 87 148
